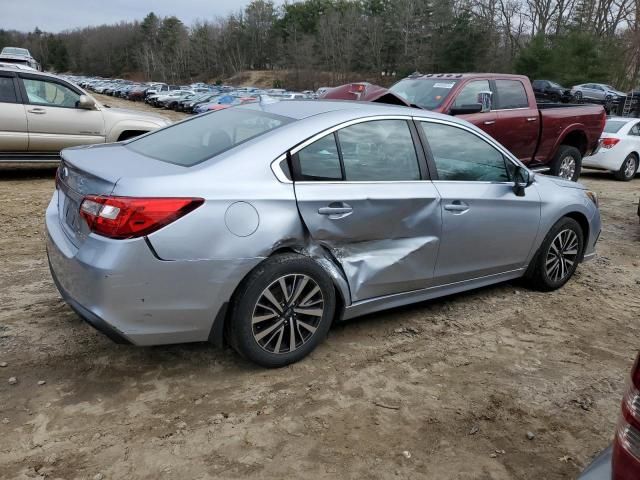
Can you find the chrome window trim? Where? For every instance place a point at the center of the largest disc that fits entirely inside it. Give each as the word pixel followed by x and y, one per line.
pixel 280 175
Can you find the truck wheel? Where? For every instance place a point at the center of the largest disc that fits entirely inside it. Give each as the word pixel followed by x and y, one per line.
pixel 281 311
pixel 628 169
pixel 558 256
pixel 567 163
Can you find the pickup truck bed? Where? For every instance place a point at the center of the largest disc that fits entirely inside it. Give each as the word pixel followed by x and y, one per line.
pixel 547 135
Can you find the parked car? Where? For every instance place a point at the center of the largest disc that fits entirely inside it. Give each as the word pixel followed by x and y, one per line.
pixel 552 91
pixel 542 136
pixel 619 149
pixel 40 114
pixel 269 220
pixel 621 461
pixel 596 91
pixel 19 56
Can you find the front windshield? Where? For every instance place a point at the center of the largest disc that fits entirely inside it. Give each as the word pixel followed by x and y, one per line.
pixel 555 85
pixel 427 93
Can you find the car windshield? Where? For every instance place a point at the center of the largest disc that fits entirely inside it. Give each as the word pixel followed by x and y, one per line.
pixel 194 141
pixel 614 126
pixel 15 51
pixel 425 93
pixel 555 85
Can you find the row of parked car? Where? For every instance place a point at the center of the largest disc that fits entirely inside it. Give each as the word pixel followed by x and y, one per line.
pixel 194 98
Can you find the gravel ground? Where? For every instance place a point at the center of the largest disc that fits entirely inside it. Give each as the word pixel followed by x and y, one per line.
pixel 447 389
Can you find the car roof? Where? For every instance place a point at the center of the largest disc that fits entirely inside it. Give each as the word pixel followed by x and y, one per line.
pixel 622 119
pixel 459 76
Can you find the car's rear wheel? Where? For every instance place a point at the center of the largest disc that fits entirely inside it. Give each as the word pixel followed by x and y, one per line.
pixel 558 256
pixel 281 311
pixel 567 163
pixel 628 168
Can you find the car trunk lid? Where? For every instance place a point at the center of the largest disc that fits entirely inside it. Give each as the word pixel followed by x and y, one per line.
pixel 95 170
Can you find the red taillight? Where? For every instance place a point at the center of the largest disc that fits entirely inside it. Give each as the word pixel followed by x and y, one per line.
pixel 609 142
pixel 626 458
pixel 130 217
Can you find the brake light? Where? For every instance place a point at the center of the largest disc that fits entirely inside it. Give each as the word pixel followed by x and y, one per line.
pixel 626 456
pixel 609 142
pixel 131 217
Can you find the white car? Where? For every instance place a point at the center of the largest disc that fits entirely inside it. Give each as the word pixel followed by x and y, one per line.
pixel 619 149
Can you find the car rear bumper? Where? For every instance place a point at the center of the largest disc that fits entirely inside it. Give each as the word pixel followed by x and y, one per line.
pixel 124 290
pixel 600 468
pixel 606 160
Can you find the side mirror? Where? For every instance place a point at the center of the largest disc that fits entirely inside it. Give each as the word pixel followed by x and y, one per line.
pixel 466 109
pixel 522 178
pixel 485 99
pixel 86 103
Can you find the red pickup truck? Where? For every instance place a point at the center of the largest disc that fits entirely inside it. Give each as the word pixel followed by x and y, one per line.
pixel 553 136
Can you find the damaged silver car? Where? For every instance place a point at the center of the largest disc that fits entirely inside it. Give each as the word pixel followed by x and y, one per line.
pixel 262 224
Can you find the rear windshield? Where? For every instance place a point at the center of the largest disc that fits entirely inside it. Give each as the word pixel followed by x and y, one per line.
pixel 425 93
pixel 194 141
pixel 613 126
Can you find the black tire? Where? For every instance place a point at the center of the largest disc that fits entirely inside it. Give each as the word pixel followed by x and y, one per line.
pixel 627 172
pixel 243 335
pixel 555 98
pixel 538 274
pixel 578 96
pixel 558 168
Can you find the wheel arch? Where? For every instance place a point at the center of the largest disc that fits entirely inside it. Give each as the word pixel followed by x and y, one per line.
pixel 576 138
pixel 319 255
pixel 584 225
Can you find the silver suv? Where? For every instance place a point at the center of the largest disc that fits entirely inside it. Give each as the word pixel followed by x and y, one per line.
pixel 40 114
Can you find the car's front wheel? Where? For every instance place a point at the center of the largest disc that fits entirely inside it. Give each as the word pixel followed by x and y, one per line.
pixel 628 168
pixel 558 256
pixel 281 311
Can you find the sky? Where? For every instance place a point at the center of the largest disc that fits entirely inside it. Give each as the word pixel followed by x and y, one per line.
pixel 57 15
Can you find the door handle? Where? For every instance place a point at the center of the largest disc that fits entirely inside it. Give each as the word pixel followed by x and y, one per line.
pixel 532 119
pixel 38 111
pixel 457 207
pixel 336 210
pixel 489 122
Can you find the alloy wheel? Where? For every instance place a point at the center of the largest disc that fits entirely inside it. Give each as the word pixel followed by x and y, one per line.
pixel 287 313
pixel 562 255
pixel 630 167
pixel 567 167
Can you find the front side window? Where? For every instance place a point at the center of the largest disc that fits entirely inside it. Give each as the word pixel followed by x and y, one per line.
pixel 460 155
pixel 511 94
pixel 194 141
pixel 469 93
pixel 7 90
pixel 42 92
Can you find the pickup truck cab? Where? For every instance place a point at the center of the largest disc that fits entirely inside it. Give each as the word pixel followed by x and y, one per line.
pixel 546 136
pixel 40 114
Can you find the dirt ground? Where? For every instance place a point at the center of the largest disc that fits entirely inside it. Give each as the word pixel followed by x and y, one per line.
pixel 457 382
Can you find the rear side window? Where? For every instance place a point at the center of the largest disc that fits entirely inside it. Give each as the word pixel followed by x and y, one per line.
pixel 194 141
pixel 374 151
pixel 380 150
pixel 511 94
pixel 7 90
pixel 320 160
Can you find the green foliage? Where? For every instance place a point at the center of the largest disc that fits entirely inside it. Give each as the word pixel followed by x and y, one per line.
pixel 572 58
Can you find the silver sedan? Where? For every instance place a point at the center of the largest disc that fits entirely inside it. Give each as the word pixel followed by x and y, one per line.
pixel 262 224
